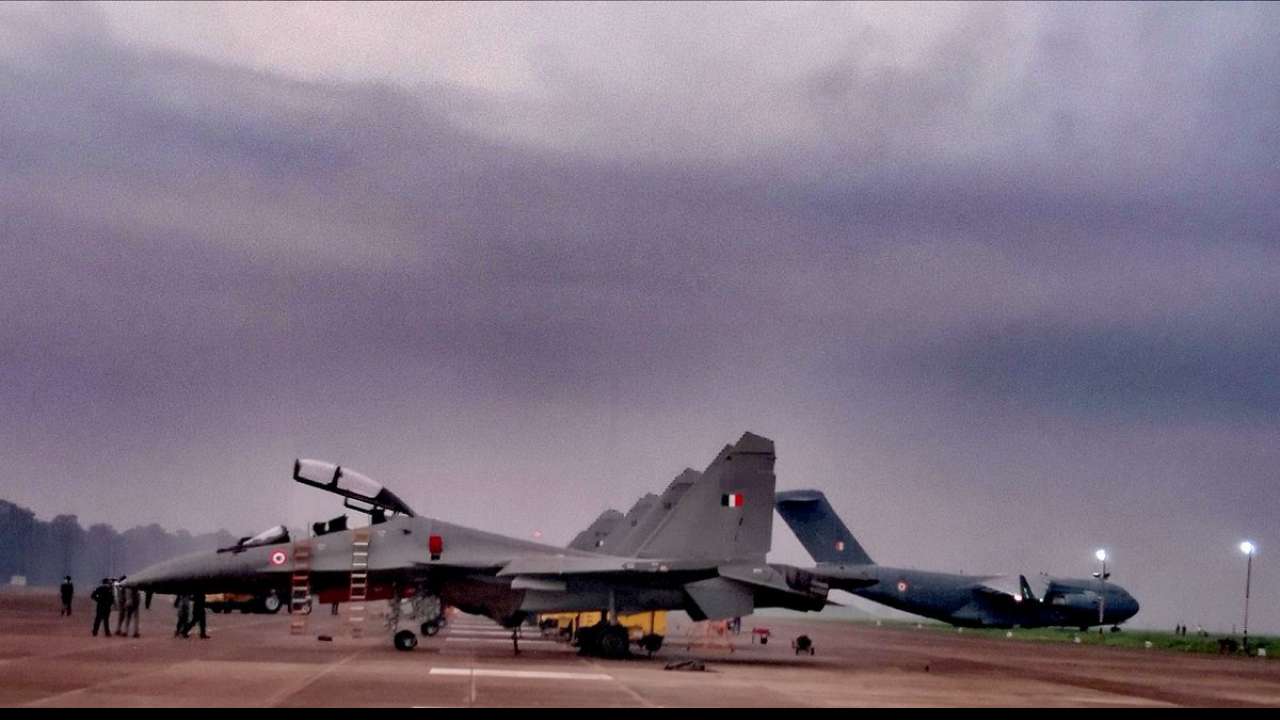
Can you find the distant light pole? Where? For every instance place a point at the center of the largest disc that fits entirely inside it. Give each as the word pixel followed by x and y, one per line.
pixel 1102 595
pixel 1248 549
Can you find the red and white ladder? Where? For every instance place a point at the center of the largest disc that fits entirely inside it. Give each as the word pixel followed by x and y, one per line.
pixel 359 592
pixel 300 594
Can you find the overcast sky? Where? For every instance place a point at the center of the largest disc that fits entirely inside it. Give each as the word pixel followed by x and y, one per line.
pixel 1003 280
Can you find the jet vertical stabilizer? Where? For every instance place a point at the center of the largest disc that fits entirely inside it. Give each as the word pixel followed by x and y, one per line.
pixel 627 543
pixel 598 531
pixel 727 514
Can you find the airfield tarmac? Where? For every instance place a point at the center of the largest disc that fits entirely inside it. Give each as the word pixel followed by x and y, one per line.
pixel 252 660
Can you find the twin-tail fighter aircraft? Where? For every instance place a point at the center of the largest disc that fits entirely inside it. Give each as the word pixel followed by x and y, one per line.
pixel 699 547
pixel 1001 601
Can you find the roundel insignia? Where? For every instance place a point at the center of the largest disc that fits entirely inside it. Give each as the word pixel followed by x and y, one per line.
pixel 902 586
pixel 278 557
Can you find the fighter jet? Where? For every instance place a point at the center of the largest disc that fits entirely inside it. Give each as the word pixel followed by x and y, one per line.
pixel 703 553
pixel 599 529
pixel 1001 601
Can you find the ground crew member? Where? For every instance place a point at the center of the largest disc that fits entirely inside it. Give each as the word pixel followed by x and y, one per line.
pixel 118 590
pixel 67 590
pixel 132 605
pixel 102 598
pixel 183 603
pixel 198 616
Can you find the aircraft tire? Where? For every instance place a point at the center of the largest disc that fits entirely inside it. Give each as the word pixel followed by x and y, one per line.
pixel 271 604
pixel 430 628
pixel 405 640
pixel 651 643
pixel 614 642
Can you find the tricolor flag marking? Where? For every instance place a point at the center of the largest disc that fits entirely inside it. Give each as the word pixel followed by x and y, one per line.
pixel 731 500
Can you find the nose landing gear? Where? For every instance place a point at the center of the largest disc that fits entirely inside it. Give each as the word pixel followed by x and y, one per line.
pixel 423 608
pixel 405 640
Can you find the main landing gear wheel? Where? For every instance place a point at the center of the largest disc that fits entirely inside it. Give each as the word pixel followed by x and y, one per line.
pixel 651 643
pixel 272 604
pixel 405 640
pixel 430 628
pixel 614 642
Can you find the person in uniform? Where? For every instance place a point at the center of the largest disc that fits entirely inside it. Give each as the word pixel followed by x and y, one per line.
pixel 67 590
pixel 103 597
pixel 183 604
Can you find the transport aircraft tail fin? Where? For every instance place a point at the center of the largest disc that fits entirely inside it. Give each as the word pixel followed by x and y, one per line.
pixel 822 532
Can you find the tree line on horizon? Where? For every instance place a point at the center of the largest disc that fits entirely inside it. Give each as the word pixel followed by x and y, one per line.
pixel 44 552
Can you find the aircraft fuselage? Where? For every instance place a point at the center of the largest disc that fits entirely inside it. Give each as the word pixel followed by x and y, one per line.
pixel 968 601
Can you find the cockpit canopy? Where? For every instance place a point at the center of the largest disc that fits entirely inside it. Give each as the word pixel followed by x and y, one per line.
pixel 271 536
pixel 376 500
pixel 274 535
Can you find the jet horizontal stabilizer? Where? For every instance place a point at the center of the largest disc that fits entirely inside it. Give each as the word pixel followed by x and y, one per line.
pixel 719 598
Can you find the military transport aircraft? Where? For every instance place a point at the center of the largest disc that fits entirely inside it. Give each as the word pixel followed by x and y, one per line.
pixel 699 547
pixel 962 600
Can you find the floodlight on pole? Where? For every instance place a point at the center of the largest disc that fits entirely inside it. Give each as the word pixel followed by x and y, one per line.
pixel 1101 554
pixel 1248 549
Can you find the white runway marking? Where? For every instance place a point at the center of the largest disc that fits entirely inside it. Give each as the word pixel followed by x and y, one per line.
pixel 521 674
pixel 503 641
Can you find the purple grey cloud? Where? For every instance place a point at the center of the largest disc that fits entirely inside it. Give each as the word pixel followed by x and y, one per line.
pixel 1005 297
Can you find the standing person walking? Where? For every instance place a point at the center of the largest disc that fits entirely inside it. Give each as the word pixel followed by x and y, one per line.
pixel 183 603
pixel 132 608
pixel 118 591
pixel 198 616
pixel 67 590
pixel 102 598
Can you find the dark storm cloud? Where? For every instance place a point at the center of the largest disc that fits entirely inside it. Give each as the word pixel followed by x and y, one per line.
pixel 972 290
pixel 1222 375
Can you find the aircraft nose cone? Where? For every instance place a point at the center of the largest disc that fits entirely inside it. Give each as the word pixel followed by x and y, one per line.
pixel 1126 608
pixel 171 574
pixel 1132 607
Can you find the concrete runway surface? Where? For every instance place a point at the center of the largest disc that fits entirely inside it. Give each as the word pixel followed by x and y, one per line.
pixel 252 660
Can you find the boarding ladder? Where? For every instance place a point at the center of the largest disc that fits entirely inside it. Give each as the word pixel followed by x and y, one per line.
pixel 359 593
pixel 300 595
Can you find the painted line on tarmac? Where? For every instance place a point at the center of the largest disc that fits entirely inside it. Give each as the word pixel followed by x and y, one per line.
pixel 644 701
pixel 519 674
pixel 499 641
pixel 287 693
pixel 106 683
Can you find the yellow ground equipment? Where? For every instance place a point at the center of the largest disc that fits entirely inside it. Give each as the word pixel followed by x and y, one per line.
pixel 244 602
pixel 645 629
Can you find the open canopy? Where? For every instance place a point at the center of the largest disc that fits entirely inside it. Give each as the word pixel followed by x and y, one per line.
pixel 349 484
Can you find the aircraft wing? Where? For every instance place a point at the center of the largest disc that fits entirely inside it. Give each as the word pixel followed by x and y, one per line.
pixel 1010 587
pixel 716 590
pixel 590 565
pixel 845 578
